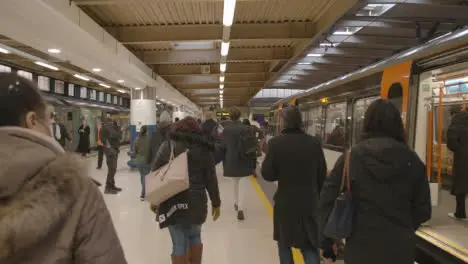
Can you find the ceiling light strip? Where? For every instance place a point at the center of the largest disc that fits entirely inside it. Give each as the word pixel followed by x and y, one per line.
pixel 45 65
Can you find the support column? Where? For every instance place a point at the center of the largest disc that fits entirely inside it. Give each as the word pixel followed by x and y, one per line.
pixel 142 112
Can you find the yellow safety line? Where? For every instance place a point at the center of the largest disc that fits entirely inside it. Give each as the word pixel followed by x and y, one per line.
pixel 444 244
pixel 298 259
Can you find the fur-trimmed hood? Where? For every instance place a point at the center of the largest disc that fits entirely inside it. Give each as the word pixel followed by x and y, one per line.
pixel 191 139
pixel 39 184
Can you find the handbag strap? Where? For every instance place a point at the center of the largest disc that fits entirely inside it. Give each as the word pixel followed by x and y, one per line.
pixel 345 175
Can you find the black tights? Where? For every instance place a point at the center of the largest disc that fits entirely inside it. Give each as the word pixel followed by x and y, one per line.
pixel 460 211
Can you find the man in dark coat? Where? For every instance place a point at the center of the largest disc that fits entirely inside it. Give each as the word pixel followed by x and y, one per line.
pixel 110 137
pixel 297 162
pixel 238 140
pixel 158 136
pixel 63 132
pixel 209 127
pixel 457 141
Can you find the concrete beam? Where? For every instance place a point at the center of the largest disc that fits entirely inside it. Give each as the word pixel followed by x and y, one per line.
pixel 134 35
pixel 235 86
pixel 240 68
pixel 188 79
pixel 213 56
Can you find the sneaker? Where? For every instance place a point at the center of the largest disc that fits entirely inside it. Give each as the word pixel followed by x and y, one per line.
pixel 111 191
pixel 452 215
pixel 236 208
pixel 240 216
pixel 142 199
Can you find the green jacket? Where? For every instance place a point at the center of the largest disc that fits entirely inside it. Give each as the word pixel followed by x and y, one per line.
pixel 142 149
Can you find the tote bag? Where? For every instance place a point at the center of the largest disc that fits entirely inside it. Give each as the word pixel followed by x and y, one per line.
pixel 340 221
pixel 168 180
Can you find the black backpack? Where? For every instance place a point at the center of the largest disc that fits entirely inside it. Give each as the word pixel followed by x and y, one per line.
pixel 247 144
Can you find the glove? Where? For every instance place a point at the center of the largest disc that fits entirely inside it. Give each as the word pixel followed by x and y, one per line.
pixel 154 208
pixel 216 212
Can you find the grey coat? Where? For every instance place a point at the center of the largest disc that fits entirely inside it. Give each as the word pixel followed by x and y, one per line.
pixel 234 163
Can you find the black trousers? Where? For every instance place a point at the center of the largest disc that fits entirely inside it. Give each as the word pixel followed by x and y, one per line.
pixel 111 161
pixel 460 210
pixel 100 156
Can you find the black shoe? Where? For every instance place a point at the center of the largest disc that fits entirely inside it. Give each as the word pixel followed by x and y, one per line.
pixel 117 188
pixel 142 199
pixel 98 168
pixel 240 216
pixel 110 191
pixel 236 207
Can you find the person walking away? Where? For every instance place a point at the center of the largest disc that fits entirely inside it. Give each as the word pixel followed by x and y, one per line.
pixel 110 136
pixel 141 150
pixel 240 150
pixel 100 146
pixel 389 190
pixel 54 128
pixel 457 142
pixel 185 213
pixel 51 212
pixel 209 127
pixel 64 135
pixel 84 143
pixel 296 161
pixel 158 136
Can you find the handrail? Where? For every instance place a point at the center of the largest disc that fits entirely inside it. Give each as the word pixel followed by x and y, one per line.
pixel 417 52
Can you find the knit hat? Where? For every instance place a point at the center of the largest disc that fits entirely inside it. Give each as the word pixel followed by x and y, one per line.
pixel 165 119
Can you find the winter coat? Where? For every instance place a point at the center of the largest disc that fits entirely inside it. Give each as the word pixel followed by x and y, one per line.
pixel 83 143
pixel 390 192
pixel 209 129
pixel 158 136
pixel 190 206
pixel 297 162
pixel 235 163
pixel 142 149
pixel 51 211
pixel 64 135
pixel 110 137
pixel 457 141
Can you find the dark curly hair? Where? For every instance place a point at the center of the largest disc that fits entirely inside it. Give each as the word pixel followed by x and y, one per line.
pixel 187 125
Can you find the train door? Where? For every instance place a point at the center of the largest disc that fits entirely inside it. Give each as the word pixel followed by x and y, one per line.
pixel 395 86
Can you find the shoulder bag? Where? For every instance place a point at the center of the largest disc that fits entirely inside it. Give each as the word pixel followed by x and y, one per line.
pixel 340 220
pixel 169 180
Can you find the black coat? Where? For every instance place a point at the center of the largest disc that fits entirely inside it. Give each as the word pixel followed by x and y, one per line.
pixel 191 205
pixel 158 136
pixel 297 162
pixel 390 191
pixel 235 163
pixel 457 141
pixel 208 128
pixel 64 135
pixel 83 143
pixel 110 136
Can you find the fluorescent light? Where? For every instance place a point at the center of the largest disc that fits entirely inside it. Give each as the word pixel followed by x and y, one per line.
pixel 305 63
pixel 5 51
pixel 96 70
pixel 343 33
pixel 104 85
pixel 315 55
pixel 48 66
pixel 228 12
pixel 224 48
pixel 221 78
pixel 121 91
pixel 163 99
pixel 222 67
pixel 54 51
pixel 328 44
pixel 221 86
pixel 120 81
pixel 81 77
pixel 137 88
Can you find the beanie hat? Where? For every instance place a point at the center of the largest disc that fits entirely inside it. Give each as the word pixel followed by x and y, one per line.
pixel 165 120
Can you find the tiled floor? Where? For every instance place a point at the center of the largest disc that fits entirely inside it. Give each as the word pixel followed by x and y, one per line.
pixel 226 241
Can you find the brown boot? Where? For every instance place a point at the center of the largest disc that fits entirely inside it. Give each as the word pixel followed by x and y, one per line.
pixel 195 254
pixel 179 259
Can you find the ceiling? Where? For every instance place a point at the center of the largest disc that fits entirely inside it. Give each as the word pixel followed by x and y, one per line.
pixel 269 39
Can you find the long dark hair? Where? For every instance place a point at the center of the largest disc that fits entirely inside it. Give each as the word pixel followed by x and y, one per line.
pixel 143 130
pixel 383 119
pixel 18 96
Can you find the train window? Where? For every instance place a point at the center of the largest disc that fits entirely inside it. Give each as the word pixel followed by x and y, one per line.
pixel 43 83
pixel 59 87
pixel 5 68
pixel 71 89
pixel 359 109
pixel 25 74
pixel 334 125
pixel 314 122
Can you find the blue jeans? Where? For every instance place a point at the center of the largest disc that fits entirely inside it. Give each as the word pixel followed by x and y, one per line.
pixel 309 254
pixel 143 169
pixel 183 236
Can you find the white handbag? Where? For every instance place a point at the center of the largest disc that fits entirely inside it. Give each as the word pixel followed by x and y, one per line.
pixel 168 180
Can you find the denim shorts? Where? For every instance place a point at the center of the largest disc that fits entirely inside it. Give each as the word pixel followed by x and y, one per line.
pixel 183 236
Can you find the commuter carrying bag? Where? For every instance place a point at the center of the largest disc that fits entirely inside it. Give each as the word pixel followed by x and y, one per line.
pixel 340 220
pixel 169 180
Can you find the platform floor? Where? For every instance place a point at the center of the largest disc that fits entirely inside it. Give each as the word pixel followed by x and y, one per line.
pixel 226 241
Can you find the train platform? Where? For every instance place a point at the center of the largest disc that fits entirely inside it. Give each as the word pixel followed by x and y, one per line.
pixel 225 241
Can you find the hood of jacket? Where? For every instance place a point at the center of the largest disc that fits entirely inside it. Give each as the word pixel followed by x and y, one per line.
pixel 38 185
pixel 384 158
pixel 461 119
pixel 192 139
